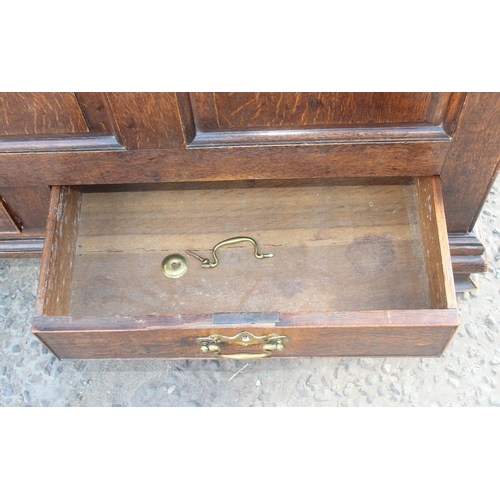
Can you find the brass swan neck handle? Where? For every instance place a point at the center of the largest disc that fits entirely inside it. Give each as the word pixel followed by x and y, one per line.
pixel 231 241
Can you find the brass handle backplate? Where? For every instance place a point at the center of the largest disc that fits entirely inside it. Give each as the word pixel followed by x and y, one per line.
pixel 214 343
pixel 231 241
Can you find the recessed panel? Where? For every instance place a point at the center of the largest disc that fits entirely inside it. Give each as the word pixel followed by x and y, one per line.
pixel 293 109
pixel 34 113
pixel 212 119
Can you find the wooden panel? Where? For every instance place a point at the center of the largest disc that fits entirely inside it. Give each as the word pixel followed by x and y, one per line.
pixel 59 251
pixel 8 224
pixel 29 205
pixel 435 242
pixel 147 120
pixel 242 118
pixel 473 161
pixel 32 113
pixel 97 112
pixel 331 160
pixel 292 109
pixel 369 333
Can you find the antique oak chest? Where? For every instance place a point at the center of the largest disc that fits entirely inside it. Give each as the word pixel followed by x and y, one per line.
pixel 360 209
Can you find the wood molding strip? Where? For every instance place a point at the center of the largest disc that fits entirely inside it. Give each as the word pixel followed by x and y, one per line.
pixel 375 134
pixel 16 248
pixel 55 143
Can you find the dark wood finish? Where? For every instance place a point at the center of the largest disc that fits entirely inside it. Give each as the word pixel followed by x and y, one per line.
pixel 224 119
pixel 320 135
pixel 28 207
pixel 219 136
pixel 75 326
pixel 97 112
pixel 8 222
pixel 291 109
pixel 147 120
pixel 473 160
pixel 33 113
pixel 58 121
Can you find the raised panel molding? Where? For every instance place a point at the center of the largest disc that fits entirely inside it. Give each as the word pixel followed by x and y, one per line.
pixel 467 257
pixel 212 119
pixel 56 121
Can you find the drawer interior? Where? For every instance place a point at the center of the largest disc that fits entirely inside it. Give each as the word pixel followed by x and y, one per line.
pixel 338 245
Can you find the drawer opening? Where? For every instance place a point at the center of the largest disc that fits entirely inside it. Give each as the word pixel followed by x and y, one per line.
pixel 338 245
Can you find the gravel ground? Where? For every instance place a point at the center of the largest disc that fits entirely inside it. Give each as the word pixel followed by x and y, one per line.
pixel 466 375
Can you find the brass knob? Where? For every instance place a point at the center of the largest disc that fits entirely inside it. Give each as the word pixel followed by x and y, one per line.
pixel 174 265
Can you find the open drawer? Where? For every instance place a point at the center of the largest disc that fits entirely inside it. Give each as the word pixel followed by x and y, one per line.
pixel 360 267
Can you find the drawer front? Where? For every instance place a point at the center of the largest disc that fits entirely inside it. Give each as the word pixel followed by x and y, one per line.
pixel 360 268
pixel 422 333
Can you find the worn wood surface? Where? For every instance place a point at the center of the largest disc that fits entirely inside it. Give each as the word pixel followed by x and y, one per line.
pixel 467 257
pixel 472 163
pixel 336 247
pixel 18 248
pixel 168 127
pixel 59 252
pixel 347 216
pixel 33 113
pixel 360 333
pixel 435 242
pixel 57 143
pixel 387 134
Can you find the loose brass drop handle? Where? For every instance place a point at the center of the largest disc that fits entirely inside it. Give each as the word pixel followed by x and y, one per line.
pixel 272 342
pixel 231 241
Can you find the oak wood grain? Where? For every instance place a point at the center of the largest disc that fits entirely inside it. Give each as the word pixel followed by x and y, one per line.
pixel 291 109
pixel 307 215
pixel 473 160
pixel 237 119
pixel 28 207
pixel 146 120
pixel 435 242
pixel 204 164
pixel 367 333
pixel 59 252
pixel 32 113
pixel 97 113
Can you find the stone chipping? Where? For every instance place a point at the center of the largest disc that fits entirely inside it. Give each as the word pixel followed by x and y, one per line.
pixel 467 374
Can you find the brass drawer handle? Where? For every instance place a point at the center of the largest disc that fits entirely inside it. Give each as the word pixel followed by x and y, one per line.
pixel 271 342
pixel 231 241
